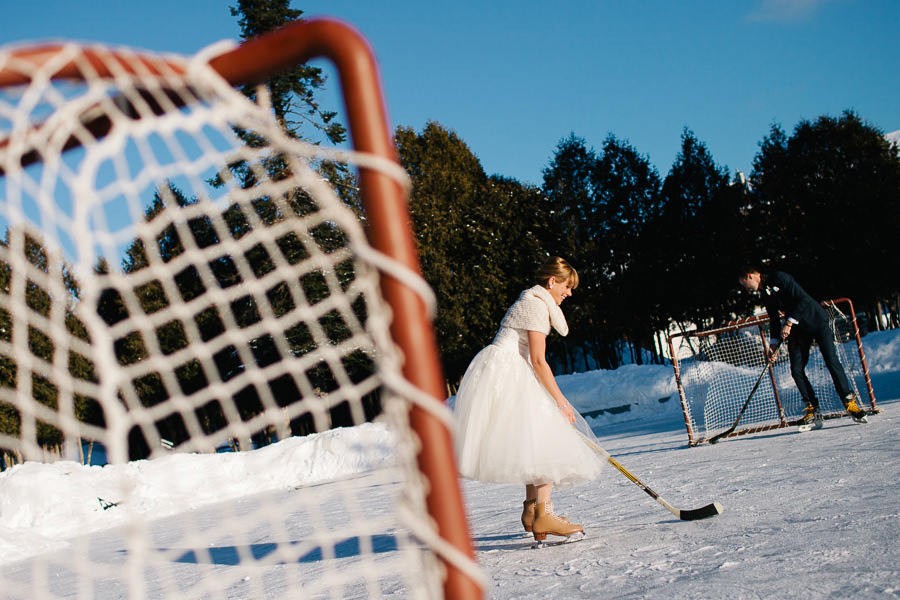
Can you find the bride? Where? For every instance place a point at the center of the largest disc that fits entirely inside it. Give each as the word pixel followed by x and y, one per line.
pixel 513 424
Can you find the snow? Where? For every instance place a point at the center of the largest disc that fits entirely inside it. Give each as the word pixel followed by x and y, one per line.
pixel 810 515
pixel 893 137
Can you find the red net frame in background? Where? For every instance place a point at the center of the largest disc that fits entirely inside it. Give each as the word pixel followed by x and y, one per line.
pixel 389 232
pixel 777 397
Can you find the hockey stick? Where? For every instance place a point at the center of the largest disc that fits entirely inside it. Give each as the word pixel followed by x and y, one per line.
pixel 704 512
pixel 769 363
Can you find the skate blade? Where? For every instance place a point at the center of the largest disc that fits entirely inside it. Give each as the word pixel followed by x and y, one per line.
pixel 810 426
pixel 575 537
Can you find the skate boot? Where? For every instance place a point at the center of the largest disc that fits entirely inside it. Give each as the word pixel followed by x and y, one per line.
pixel 809 414
pixel 811 417
pixel 548 523
pixel 858 414
pixel 818 420
pixel 528 514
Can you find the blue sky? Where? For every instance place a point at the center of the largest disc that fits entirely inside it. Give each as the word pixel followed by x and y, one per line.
pixel 513 78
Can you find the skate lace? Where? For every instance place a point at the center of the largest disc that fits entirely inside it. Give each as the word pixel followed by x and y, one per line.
pixel 554 516
pixel 559 519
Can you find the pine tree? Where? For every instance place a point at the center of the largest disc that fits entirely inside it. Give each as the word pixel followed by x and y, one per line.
pixel 575 232
pixel 628 190
pixel 686 276
pixel 292 93
pixel 39 302
pixel 474 234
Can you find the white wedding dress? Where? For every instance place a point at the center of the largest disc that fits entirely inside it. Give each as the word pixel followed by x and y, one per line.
pixel 508 427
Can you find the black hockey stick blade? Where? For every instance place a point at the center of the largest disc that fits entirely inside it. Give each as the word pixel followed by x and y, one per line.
pixel 704 512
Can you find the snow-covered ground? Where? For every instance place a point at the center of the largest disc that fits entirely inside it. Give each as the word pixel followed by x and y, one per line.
pixel 810 515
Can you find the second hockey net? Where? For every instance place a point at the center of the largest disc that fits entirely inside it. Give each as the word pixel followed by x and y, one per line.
pixel 715 370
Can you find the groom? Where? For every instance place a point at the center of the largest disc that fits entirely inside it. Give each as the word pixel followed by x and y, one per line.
pixel 806 321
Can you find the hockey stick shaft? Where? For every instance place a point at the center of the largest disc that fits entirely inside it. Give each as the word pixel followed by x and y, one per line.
pixel 710 510
pixel 734 425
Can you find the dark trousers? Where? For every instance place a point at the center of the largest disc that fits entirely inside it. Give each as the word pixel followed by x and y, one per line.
pixel 799 346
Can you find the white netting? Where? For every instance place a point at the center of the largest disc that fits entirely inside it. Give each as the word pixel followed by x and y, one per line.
pixel 718 368
pixel 168 287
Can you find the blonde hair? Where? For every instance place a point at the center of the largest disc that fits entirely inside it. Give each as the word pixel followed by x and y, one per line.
pixel 559 269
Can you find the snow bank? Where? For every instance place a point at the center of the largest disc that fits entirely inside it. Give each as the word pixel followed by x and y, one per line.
pixel 629 393
pixel 882 349
pixel 41 504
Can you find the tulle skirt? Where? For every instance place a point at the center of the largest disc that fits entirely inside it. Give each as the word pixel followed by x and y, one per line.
pixel 509 429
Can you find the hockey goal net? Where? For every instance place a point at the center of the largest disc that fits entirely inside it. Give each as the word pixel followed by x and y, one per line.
pixel 177 276
pixel 716 369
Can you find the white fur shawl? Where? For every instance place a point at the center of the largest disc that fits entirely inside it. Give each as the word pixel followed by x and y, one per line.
pixel 536 310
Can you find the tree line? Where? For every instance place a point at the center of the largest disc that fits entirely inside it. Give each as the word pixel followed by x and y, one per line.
pixel 655 253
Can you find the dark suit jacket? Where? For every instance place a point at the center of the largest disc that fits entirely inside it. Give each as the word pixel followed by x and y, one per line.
pixel 781 292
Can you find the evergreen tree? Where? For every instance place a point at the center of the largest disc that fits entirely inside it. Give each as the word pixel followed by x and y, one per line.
pixel 474 234
pixel 575 232
pixel 447 217
pixel 730 240
pixel 516 227
pixel 293 96
pixel 39 303
pixel 569 203
pixel 293 92
pixel 628 190
pixel 688 276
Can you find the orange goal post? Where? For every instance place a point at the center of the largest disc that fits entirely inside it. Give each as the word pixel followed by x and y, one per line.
pixel 177 277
